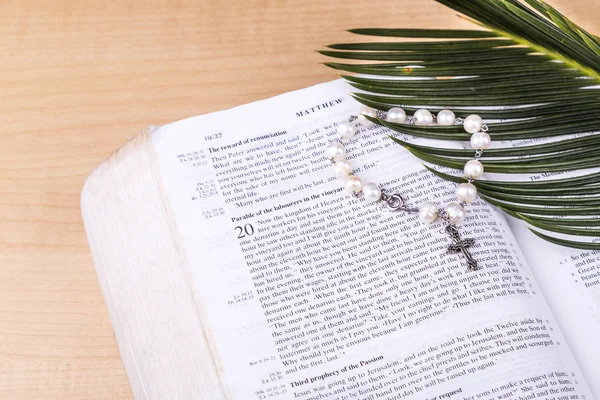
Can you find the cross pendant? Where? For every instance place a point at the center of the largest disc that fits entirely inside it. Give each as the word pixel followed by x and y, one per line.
pixel 461 246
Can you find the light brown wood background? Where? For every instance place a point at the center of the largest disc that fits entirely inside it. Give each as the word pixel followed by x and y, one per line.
pixel 77 79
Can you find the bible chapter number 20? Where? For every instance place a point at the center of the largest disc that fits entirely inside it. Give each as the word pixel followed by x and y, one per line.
pixel 243 231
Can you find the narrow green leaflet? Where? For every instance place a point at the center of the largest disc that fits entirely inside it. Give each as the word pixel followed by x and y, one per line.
pixel 560 145
pixel 567 243
pixel 424 33
pixel 561 229
pixel 568 183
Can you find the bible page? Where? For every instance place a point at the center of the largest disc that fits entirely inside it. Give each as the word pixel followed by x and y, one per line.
pixel 570 278
pixel 309 293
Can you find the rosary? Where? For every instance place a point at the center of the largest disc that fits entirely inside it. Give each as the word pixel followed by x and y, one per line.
pixel 453 213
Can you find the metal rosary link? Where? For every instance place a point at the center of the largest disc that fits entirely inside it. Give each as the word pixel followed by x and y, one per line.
pixel 479 152
pixel 395 202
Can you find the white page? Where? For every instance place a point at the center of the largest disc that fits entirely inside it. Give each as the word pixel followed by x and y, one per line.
pixel 571 279
pixel 309 293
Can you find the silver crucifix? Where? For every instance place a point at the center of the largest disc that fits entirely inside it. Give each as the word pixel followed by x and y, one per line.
pixel 461 246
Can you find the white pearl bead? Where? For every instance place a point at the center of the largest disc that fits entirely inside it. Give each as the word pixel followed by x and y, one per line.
pixel 446 117
pixel 396 115
pixel 346 130
pixel 473 169
pixel 368 111
pixel 481 140
pixel 423 117
pixel 371 192
pixel 335 150
pixel 466 192
pixel 455 212
pixel 353 184
pixel 342 169
pixel 473 123
pixel 428 212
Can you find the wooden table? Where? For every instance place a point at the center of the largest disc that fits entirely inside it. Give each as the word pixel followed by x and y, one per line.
pixel 77 79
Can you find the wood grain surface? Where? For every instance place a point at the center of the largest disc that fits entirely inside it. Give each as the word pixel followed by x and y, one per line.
pixel 77 79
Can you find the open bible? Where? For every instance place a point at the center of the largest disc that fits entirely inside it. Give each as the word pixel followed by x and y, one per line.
pixel 234 266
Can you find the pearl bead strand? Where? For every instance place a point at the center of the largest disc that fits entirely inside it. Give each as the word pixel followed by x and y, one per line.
pixel 453 213
pixel 428 212
pixel 480 140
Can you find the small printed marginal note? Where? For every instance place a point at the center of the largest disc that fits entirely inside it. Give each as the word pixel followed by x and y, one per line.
pixel 241 297
pixel 272 383
pixel 204 190
pixel 213 212
pixel 273 377
pixel 196 158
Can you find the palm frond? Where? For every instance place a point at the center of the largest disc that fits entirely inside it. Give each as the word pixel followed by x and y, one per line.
pixel 528 66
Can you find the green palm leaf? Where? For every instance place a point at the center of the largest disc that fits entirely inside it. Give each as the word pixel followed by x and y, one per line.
pixel 530 67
